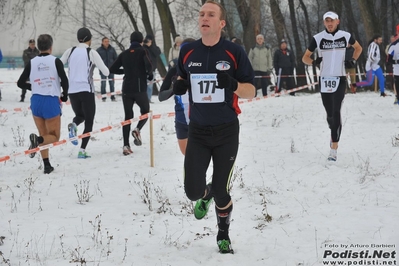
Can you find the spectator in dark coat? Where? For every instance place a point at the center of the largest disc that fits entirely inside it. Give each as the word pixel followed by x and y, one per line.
pixel 27 55
pixel 284 64
pixel 154 51
pixel 108 55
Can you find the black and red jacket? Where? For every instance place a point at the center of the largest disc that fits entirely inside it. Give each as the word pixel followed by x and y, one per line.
pixel 135 63
pixel 196 58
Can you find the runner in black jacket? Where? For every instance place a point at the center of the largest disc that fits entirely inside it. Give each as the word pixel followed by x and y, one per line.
pixel 137 68
pixel 215 72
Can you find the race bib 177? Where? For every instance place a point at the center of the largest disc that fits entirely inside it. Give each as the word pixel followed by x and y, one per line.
pixel 203 89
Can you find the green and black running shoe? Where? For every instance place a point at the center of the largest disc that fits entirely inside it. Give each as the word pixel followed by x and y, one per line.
pixel 225 246
pixel 201 208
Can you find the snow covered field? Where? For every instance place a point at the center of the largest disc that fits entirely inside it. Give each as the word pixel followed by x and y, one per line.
pixel 291 205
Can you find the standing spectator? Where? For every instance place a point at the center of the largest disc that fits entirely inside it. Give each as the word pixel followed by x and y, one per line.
pixel 108 55
pixel 372 65
pixel 13 63
pixel 45 73
pixel 284 64
pixel 390 81
pixel 27 55
pixel 181 103
pixel 350 69
pixel 81 61
pixel 215 72
pixel 393 58
pixel 175 49
pixel 261 59
pixel 154 51
pixel 331 56
pixel 137 68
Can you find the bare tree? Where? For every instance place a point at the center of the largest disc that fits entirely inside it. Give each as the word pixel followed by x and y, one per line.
pixel 298 47
pixel 370 21
pixel 249 13
pixel 278 19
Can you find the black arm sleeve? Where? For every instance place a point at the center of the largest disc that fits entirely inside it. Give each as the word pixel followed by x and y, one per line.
pixel 61 73
pixel 352 40
pixel 22 81
pixel 166 91
pixel 116 66
pixel 390 59
pixel 312 45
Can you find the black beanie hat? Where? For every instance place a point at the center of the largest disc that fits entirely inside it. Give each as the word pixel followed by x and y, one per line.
pixel 136 37
pixel 84 35
pixel 149 37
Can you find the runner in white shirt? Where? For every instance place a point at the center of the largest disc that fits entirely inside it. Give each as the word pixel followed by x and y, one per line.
pixel 331 45
pixel 373 67
pixel 81 61
pixel 46 76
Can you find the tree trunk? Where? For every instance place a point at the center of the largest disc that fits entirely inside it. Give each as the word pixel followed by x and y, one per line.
pixel 253 27
pixel 278 19
pixel 145 17
pixel 171 21
pixel 163 16
pixel 370 22
pixel 250 20
pixel 335 6
pixel 129 13
pixel 300 67
pixel 352 28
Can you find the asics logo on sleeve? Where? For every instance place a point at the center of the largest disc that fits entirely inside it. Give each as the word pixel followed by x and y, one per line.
pixel 194 64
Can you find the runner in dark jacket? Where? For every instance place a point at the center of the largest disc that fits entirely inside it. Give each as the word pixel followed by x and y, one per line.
pixel 137 68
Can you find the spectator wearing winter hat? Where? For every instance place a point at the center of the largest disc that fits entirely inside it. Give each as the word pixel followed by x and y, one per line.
pixel 81 61
pixel 154 51
pixel 175 49
pixel 284 64
pixel 137 69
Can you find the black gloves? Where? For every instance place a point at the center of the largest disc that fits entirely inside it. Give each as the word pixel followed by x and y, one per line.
pixel 317 61
pixel 225 81
pixel 180 87
pixel 350 63
pixel 150 77
pixel 64 97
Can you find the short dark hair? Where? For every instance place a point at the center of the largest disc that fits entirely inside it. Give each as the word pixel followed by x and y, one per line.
pixel 104 38
pixel 44 42
pixel 222 9
pixel 32 41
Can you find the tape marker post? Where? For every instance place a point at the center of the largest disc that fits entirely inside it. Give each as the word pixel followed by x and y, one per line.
pixel 136 119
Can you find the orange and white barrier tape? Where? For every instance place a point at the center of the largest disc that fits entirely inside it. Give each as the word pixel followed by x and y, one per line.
pixel 98 96
pixel 126 122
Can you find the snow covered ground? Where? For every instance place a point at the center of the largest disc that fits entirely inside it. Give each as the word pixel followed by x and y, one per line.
pixel 291 205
